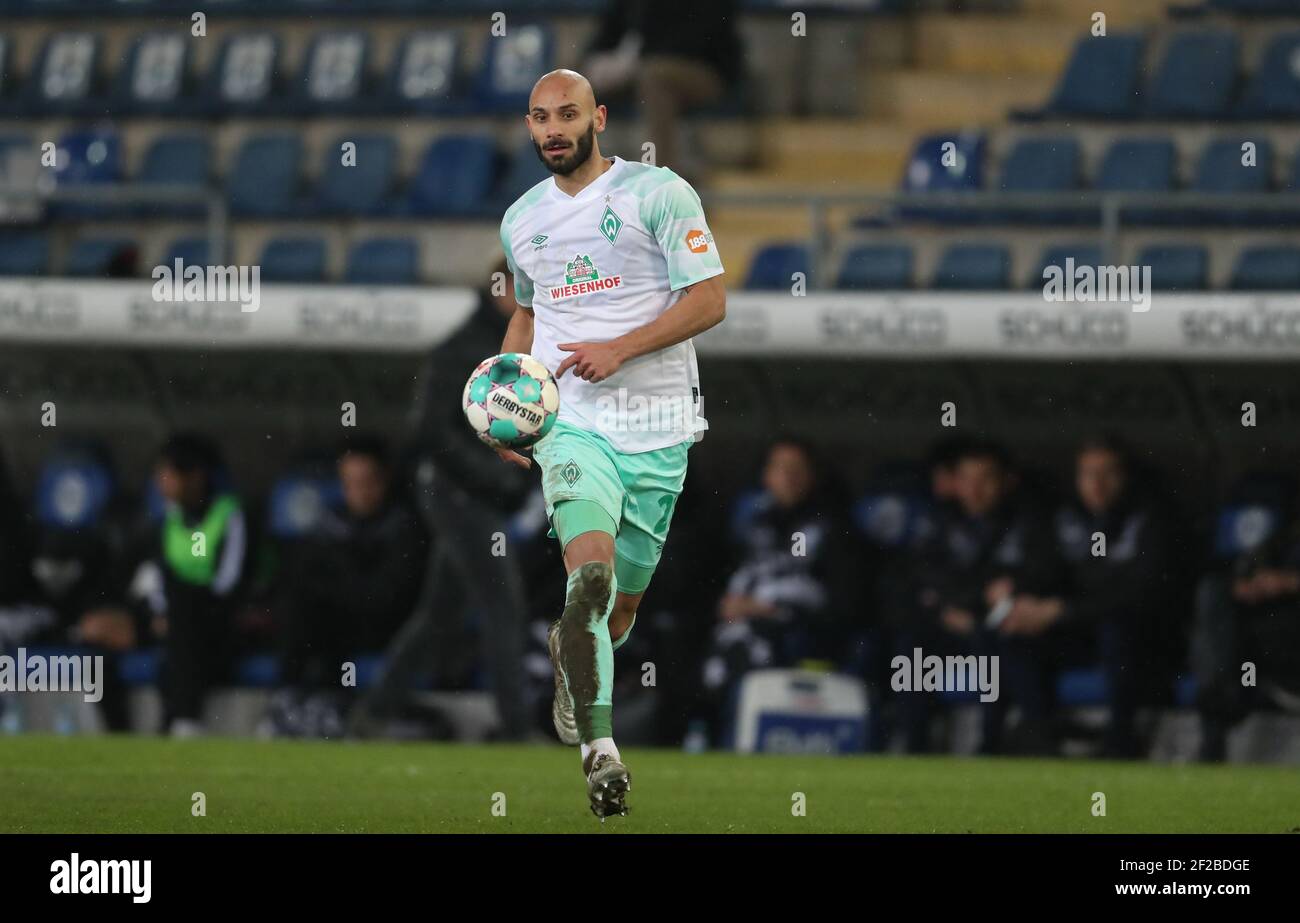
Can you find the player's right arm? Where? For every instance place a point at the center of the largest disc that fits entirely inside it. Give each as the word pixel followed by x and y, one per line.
pixel 519 334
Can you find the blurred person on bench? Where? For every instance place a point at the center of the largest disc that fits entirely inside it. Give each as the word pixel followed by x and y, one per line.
pixel 990 543
pixel 793 580
pixel 1117 606
pixel 348 589
pixel 1245 645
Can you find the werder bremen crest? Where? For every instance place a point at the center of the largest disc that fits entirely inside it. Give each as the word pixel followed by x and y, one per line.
pixel 610 223
pixel 580 269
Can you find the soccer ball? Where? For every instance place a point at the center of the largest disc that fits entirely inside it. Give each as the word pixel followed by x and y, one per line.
pixel 511 401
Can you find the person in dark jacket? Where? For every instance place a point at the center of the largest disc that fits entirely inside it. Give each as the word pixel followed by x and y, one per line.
pixel 988 545
pixel 1116 604
pixel 472 510
pixel 677 54
pixel 788 594
pixel 1245 644
pixel 351 586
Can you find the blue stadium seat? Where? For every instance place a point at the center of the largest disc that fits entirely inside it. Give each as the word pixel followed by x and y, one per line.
pixel 72 492
pixel 934 168
pixel 1254 7
pixel 1138 165
pixel 14 143
pixel 191 251
pixel 258 671
pixel 92 156
pixel 926 170
pixel 1197 77
pixel 93 257
pixel 243 80
pixel 384 261
pixel 154 78
pixel 775 264
pixel 977 267
pixel 744 509
pixel 62 81
pixel 511 64
pixel 1082 254
pixel 140 667
pixel 424 73
pixel 1041 165
pixel 177 160
pixel 364 187
pixel 333 74
pixel 1176 267
pixel 24 253
pixel 293 259
pixel 264 180
pixel 297 502
pixel 1267 269
pixel 895 520
pixel 876 267
pixel 523 173
pixel 455 177
pixel 1101 79
pixel 1081 687
pixel 1220 168
pixel 1220 171
pixel 1273 91
pixel 1259 504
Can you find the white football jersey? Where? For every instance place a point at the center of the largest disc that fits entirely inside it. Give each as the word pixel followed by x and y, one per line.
pixel 602 263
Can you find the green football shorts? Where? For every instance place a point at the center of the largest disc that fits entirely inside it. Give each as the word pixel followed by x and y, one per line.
pixel 590 486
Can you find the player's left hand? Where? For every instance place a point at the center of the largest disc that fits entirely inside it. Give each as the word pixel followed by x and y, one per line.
pixel 591 361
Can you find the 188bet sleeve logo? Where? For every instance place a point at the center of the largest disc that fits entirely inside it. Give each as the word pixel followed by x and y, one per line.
pixel 581 277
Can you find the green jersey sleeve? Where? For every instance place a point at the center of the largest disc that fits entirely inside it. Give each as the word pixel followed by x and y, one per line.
pixel 523 284
pixel 673 214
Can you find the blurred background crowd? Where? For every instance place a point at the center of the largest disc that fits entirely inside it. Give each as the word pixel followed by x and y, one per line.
pixel 877 148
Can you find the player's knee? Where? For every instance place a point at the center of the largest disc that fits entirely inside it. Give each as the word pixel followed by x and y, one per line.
pixel 593 583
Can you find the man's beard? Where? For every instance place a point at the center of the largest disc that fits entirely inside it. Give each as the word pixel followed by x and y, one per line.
pixel 580 154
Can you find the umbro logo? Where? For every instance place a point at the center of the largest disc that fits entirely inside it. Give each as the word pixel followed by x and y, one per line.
pixel 539 241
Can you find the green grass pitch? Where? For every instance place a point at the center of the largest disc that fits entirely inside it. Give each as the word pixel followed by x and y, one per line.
pixel 145 785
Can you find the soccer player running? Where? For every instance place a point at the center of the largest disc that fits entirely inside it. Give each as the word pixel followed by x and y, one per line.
pixel 615 270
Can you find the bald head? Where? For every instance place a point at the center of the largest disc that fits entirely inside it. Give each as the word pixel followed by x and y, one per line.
pixel 563 119
pixel 563 84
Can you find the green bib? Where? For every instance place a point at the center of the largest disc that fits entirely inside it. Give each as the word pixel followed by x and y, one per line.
pixel 179 541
